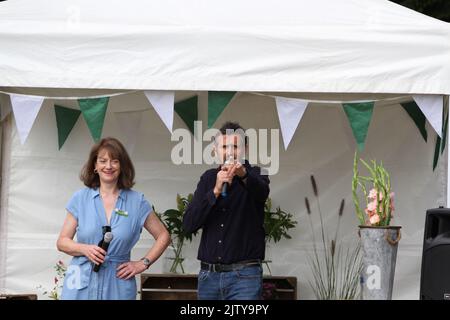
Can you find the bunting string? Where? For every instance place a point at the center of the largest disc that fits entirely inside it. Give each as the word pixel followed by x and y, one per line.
pixel 247 92
pixel 109 95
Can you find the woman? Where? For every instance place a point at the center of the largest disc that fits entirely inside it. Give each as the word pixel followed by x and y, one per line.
pixel 107 204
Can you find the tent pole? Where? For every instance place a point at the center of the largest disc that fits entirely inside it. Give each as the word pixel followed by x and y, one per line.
pixel 4 188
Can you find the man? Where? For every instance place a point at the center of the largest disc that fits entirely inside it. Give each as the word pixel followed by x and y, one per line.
pixel 232 244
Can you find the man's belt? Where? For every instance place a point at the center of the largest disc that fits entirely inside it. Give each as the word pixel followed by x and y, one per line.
pixel 218 267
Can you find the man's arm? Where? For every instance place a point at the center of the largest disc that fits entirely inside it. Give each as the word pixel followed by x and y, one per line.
pixel 198 210
pixel 257 184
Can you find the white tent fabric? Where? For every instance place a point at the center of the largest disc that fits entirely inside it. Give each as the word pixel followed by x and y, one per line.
pixel 253 45
pixel 320 50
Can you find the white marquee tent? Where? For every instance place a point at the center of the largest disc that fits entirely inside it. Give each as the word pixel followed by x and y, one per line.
pixel 320 50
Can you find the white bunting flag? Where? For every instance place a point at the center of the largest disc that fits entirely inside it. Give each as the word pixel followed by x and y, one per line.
pixel 129 123
pixel 25 109
pixel 163 103
pixel 432 108
pixel 290 112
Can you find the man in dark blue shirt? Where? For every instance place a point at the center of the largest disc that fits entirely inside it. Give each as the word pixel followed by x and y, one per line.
pixel 232 244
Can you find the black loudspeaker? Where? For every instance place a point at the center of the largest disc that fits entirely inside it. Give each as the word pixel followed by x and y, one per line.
pixel 435 275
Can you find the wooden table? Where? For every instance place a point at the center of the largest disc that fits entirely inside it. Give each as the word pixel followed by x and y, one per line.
pixel 184 286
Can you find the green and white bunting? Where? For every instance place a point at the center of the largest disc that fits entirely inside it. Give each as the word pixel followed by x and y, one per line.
pixel 65 121
pixel 25 109
pixel 217 102
pixel 359 116
pixel 94 111
pixel 188 111
pixel 290 112
pixel 432 107
pixel 440 142
pixel 417 116
pixel 163 103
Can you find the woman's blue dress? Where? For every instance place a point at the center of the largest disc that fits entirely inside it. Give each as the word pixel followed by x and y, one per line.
pixel 127 220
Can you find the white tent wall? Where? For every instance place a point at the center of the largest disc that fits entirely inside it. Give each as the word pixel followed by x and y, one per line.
pixel 38 180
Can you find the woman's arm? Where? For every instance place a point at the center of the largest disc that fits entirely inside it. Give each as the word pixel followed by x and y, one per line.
pixel 66 244
pixel 157 229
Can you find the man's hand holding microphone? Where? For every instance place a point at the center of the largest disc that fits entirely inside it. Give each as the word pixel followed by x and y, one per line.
pixel 226 174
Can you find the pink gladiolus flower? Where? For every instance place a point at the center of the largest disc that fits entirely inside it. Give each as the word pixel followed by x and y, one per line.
pixel 372 194
pixel 372 206
pixel 374 219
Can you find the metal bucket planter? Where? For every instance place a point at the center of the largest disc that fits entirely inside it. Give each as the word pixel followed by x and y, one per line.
pixel 379 254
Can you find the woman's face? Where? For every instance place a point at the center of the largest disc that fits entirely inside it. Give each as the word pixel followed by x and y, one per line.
pixel 108 169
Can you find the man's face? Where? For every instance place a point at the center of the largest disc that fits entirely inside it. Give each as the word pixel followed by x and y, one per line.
pixel 230 146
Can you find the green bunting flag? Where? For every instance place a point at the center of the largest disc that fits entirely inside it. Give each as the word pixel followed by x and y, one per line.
pixel 436 151
pixel 217 102
pixel 94 111
pixel 187 110
pixel 65 121
pixel 417 116
pixel 444 134
pixel 359 116
pixel 440 143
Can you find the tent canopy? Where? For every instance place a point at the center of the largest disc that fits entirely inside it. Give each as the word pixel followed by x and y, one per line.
pixel 357 46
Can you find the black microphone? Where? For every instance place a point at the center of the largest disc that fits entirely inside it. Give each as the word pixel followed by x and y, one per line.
pixel 106 229
pixel 226 184
pixel 224 189
pixel 104 244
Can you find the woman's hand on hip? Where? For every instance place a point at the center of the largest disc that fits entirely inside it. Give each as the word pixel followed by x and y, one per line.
pixel 129 269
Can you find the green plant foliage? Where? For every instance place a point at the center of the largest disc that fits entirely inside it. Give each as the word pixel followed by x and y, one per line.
pixel 277 223
pixel 173 220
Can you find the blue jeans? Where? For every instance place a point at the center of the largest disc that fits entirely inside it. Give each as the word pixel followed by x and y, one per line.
pixel 239 284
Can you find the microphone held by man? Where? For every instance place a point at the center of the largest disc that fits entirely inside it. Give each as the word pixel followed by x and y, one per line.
pixel 225 185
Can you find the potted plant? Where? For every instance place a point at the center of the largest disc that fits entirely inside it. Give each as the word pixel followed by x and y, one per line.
pixel 378 238
pixel 173 220
pixel 336 267
pixel 276 225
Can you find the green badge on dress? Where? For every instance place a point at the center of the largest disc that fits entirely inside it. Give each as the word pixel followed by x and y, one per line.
pixel 121 212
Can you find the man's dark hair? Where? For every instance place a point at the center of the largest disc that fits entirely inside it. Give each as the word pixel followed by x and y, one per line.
pixel 230 125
